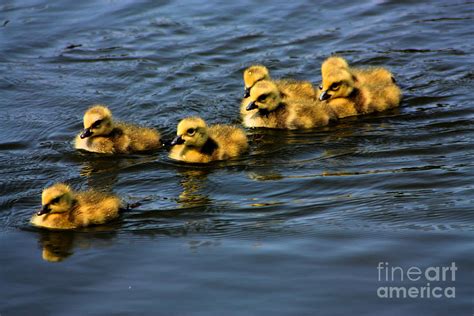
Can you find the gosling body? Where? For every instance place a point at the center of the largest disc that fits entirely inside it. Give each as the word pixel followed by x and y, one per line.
pixel 197 143
pixel 355 91
pixel 103 135
pixel 62 208
pixel 265 107
pixel 289 88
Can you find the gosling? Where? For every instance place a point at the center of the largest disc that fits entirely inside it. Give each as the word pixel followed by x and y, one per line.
pixel 265 107
pixel 62 208
pixel 289 88
pixel 350 91
pixel 197 143
pixel 103 135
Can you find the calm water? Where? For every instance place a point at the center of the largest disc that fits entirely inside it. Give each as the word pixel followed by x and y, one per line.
pixel 298 226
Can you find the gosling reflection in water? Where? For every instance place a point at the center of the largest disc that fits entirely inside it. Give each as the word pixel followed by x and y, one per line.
pixel 59 245
pixel 193 182
pixel 101 174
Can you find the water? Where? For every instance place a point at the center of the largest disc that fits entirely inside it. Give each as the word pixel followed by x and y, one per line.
pixel 298 226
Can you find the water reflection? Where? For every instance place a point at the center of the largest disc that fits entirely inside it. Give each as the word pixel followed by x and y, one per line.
pixel 60 245
pixel 265 175
pixel 101 175
pixel 193 182
pixel 57 246
pixel 102 172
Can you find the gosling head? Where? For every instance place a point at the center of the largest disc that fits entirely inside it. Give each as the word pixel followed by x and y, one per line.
pixel 191 132
pixel 97 121
pixel 56 199
pixel 252 75
pixel 338 81
pixel 264 96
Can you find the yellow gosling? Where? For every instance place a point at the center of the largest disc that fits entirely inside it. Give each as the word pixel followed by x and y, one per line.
pixel 265 107
pixel 197 143
pixel 62 208
pixel 352 92
pixel 103 135
pixel 289 88
pixel 373 75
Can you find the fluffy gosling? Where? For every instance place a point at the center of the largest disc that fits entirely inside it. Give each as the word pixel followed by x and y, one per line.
pixel 265 107
pixel 289 88
pixel 197 143
pixel 352 92
pixel 62 208
pixel 103 135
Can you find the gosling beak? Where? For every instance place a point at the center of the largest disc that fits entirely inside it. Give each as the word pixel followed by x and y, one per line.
pixel 246 92
pixel 178 140
pixel 251 106
pixel 324 95
pixel 44 210
pixel 86 133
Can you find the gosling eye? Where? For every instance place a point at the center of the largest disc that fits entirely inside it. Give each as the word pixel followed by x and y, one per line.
pixel 191 131
pixel 320 87
pixel 97 124
pixel 262 98
pixel 335 86
pixel 55 200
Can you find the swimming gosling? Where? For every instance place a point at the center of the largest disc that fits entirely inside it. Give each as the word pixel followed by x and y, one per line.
pixel 351 91
pixel 265 107
pixel 103 135
pixel 62 208
pixel 197 143
pixel 289 88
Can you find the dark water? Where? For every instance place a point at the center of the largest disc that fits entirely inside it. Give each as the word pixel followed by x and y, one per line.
pixel 297 227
